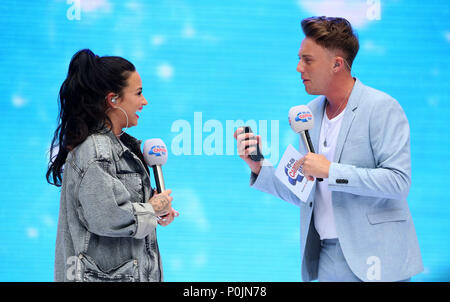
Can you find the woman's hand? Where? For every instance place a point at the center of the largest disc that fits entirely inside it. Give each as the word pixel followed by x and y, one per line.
pixel 162 203
pixel 167 219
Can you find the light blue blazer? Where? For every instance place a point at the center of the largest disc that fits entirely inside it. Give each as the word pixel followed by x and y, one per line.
pixel 369 177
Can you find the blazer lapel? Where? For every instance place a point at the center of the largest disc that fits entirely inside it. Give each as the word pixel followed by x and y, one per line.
pixel 317 108
pixel 347 120
pixel 317 112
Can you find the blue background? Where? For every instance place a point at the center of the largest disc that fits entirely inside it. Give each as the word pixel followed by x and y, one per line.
pixel 230 60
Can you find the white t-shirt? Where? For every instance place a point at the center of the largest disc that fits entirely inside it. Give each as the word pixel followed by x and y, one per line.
pixel 323 209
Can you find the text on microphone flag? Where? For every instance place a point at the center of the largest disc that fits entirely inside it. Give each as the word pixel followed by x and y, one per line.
pixel 303 117
pixel 157 150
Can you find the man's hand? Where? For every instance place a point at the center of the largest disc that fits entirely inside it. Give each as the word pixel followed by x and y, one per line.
pixel 315 165
pixel 162 203
pixel 244 153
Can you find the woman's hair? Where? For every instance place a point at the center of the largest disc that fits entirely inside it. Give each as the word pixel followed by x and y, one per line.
pixel 332 33
pixel 83 105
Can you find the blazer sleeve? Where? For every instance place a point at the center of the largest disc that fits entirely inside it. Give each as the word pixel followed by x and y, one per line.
pixel 390 142
pixel 267 182
pixel 105 206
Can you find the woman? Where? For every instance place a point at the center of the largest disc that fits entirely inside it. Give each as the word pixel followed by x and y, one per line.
pixel 108 212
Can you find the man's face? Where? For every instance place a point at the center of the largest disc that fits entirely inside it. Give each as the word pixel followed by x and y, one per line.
pixel 315 66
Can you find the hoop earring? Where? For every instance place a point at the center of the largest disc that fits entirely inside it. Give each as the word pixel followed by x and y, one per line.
pixel 126 115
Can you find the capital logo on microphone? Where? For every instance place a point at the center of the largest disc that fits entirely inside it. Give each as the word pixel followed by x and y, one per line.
pixel 303 116
pixel 157 150
pixel 293 171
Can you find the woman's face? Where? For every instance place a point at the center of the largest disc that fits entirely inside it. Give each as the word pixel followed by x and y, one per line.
pixel 131 100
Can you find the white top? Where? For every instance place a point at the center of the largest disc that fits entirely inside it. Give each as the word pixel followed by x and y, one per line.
pixel 323 209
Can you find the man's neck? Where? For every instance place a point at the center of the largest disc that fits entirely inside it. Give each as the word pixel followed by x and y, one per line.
pixel 338 95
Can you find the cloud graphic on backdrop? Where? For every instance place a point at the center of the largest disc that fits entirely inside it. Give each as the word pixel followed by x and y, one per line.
pixel 358 12
pixel 18 101
pixel 95 5
pixel 188 31
pixel 372 47
pixel 158 40
pixel 165 71
pixel 447 36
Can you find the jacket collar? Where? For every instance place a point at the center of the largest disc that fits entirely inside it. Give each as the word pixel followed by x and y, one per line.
pixel 349 115
pixel 120 149
pixel 318 109
pixel 117 144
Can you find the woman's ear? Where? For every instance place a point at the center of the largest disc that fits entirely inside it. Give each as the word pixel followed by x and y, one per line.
pixel 112 99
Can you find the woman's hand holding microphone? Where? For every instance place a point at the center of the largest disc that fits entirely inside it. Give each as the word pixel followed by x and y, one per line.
pixel 162 204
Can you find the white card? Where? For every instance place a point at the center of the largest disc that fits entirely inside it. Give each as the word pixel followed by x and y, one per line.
pixel 289 173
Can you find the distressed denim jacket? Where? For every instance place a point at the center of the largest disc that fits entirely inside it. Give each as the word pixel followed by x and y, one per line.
pixel 106 227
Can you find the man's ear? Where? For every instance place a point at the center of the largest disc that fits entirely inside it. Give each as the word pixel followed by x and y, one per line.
pixel 338 63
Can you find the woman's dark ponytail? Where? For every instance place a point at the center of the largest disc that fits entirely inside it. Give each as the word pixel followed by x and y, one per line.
pixel 82 104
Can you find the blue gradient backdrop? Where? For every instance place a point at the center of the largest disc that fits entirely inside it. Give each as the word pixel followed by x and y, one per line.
pixel 230 60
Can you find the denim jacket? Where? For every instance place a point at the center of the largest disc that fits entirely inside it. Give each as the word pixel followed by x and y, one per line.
pixel 106 227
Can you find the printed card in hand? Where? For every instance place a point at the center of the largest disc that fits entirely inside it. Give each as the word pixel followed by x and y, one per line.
pixel 289 172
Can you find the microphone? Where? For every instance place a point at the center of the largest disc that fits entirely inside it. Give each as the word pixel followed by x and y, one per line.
pixel 155 155
pixel 301 120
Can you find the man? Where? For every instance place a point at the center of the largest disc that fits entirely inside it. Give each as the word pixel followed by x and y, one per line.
pixel 356 224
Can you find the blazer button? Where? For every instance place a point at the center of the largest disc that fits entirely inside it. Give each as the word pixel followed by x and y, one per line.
pixel 310 204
